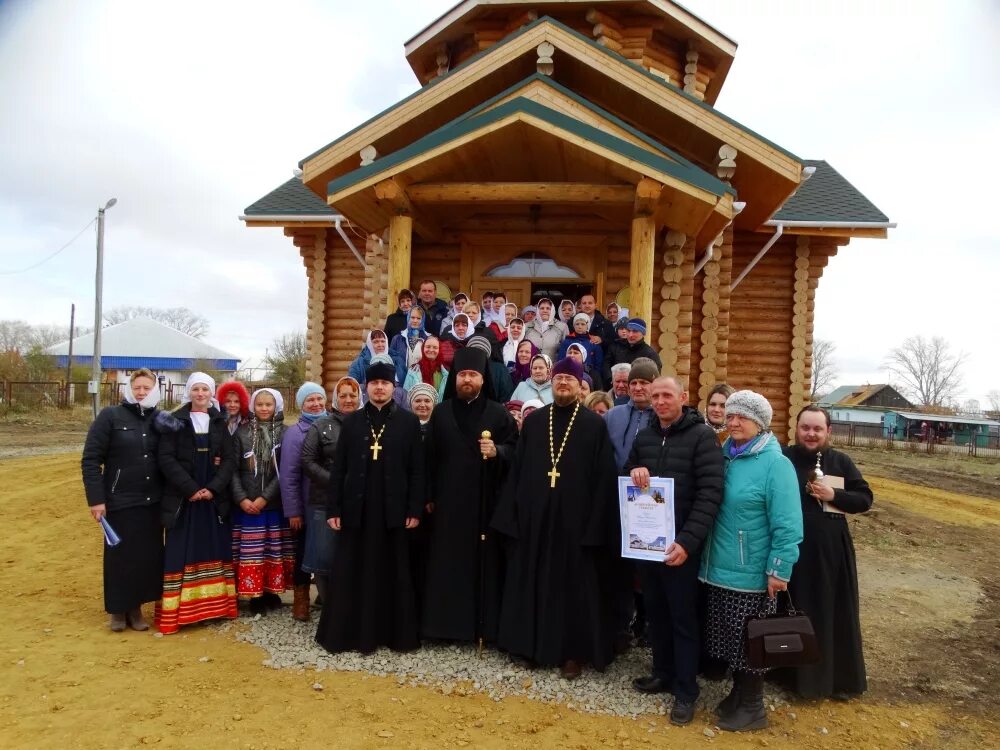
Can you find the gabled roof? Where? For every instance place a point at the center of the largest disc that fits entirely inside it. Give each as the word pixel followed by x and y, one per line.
pixel 853 395
pixel 829 197
pixel 292 198
pixel 142 337
pixel 685 172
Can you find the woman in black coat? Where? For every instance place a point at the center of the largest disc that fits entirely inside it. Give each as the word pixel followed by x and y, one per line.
pixel 122 482
pixel 825 579
pixel 196 458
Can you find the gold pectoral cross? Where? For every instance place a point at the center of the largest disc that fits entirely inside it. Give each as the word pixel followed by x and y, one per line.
pixel 375 448
pixel 553 476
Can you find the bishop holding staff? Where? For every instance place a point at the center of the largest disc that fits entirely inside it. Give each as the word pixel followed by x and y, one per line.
pixel 560 511
pixel 470 444
pixel 376 496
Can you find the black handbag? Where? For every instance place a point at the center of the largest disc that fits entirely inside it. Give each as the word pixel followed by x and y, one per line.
pixel 782 639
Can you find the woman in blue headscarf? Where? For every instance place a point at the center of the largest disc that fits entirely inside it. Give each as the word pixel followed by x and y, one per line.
pixel 406 347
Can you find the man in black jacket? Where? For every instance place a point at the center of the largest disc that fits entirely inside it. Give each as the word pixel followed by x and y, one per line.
pixel 630 348
pixel 678 445
pixel 601 331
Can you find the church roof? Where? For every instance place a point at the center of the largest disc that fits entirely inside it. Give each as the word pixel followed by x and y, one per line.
pixel 828 196
pixel 291 198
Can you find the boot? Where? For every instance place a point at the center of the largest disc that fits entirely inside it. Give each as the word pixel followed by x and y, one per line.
pixel 117 623
pixel 749 712
pixel 300 604
pixel 320 581
pixel 729 703
pixel 135 620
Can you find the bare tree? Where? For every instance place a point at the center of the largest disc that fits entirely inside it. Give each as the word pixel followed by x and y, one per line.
pixel 971 406
pixel 179 318
pixel 15 336
pixel 44 336
pixel 824 368
pixel 927 369
pixel 286 359
pixel 994 399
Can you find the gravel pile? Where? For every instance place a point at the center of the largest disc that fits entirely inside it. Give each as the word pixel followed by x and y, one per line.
pixel 459 670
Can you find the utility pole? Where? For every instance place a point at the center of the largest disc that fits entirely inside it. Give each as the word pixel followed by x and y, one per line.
pixel 95 371
pixel 69 359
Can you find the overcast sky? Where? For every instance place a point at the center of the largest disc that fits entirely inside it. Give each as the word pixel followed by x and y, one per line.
pixel 188 112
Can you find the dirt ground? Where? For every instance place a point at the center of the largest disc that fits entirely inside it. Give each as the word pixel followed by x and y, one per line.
pixel 930 607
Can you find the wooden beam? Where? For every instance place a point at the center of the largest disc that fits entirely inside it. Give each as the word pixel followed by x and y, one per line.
pixel 394 191
pixel 646 197
pixel 641 268
pixel 519 192
pixel 400 252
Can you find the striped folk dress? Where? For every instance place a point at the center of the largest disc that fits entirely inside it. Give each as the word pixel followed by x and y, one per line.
pixel 198 580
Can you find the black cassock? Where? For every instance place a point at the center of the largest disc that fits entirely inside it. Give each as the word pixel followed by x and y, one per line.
pixel 825 579
pixel 563 565
pixel 371 600
pixel 463 574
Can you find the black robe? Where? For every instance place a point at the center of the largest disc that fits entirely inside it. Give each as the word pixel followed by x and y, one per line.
pixel 370 599
pixel 825 579
pixel 464 488
pixel 563 568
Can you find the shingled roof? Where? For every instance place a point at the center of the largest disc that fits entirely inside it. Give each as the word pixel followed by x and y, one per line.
pixel 827 196
pixel 290 199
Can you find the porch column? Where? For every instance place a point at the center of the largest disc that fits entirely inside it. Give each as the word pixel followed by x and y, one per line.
pixel 400 247
pixel 647 195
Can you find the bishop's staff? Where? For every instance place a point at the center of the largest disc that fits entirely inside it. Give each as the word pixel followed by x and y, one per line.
pixel 485 435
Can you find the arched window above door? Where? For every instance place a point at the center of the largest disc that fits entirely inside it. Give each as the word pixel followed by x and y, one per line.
pixel 533 266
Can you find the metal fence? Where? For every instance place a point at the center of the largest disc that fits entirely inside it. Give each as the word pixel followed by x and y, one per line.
pixel 851 434
pixel 17 394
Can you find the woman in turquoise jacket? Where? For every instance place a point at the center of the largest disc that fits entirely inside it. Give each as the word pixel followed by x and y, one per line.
pixel 750 551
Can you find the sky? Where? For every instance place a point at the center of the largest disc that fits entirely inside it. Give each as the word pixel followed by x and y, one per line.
pixel 188 112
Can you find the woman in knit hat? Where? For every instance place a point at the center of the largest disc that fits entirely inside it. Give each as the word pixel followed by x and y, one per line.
pixel 263 547
pixel 196 458
pixel 429 369
pixel 749 553
pixel 294 483
pixel 235 404
pixel 422 398
pixel 318 450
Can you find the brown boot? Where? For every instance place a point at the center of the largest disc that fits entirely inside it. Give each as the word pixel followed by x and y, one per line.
pixel 135 620
pixel 300 604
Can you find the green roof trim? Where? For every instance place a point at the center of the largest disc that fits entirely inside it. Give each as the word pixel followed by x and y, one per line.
pixel 463 126
pixel 592 43
pixel 291 198
pixel 828 196
pixel 652 142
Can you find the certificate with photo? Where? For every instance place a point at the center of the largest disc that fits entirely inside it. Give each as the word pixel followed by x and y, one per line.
pixel 647 516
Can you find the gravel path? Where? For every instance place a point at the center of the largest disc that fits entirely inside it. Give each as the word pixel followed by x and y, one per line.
pixel 459 670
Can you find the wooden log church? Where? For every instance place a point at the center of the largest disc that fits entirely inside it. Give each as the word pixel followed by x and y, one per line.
pixel 562 147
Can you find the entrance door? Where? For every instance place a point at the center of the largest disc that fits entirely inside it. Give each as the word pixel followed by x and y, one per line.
pixel 518 291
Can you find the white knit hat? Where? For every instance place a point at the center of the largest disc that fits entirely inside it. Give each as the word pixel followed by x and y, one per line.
pixel 751 405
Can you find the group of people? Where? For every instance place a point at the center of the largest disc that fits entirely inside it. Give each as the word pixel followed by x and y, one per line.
pixel 431 500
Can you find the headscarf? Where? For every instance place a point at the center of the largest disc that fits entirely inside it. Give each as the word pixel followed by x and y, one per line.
pixel 548 363
pixel 368 341
pixel 412 335
pixel 582 349
pixel 470 331
pixel 202 378
pixel 529 309
pixel 149 401
pixel 263 433
pixel 543 325
pixel 569 319
pixel 523 372
pixel 336 389
pixel 429 367
pixel 510 345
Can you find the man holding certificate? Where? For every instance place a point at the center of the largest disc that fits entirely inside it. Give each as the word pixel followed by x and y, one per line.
pixel 676 446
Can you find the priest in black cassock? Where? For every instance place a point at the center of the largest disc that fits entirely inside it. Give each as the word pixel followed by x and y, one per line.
pixel 825 579
pixel 470 443
pixel 560 511
pixel 376 496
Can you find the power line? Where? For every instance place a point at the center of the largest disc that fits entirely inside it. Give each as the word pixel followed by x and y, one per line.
pixel 50 257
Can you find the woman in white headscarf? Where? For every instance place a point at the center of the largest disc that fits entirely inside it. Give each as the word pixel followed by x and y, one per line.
pixel 263 546
pixel 196 458
pixel 123 486
pixel 545 332
pixel 515 335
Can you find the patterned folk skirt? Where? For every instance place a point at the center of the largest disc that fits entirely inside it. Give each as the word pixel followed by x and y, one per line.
pixel 198 581
pixel 726 625
pixel 264 553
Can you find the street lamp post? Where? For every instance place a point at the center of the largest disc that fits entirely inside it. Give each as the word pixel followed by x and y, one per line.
pixel 95 371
